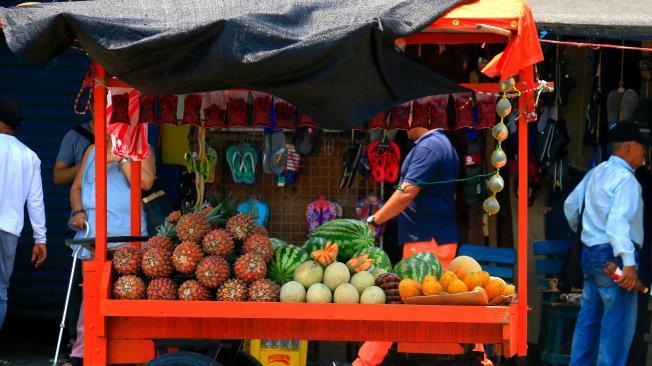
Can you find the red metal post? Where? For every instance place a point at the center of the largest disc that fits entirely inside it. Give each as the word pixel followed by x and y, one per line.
pixel 135 198
pixel 525 81
pixel 95 341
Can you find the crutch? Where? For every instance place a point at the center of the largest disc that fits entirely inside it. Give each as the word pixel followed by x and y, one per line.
pixel 65 307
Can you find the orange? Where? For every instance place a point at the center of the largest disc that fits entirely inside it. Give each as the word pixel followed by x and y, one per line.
pixel 408 288
pixel 456 287
pixel 509 290
pixel 430 286
pixel 447 278
pixel 484 278
pixel 494 288
pixel 471 280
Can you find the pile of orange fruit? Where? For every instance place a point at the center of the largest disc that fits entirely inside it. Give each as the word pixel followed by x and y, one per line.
pixel 455 281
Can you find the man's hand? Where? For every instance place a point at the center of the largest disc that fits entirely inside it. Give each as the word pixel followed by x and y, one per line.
pixel 78 220
pixel 39 253
pixel 629 278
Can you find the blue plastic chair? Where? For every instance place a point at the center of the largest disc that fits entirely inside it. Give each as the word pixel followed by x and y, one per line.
pixel 499 262
pixel 557 317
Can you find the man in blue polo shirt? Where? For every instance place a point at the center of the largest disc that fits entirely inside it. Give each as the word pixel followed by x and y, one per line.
pixel 425 211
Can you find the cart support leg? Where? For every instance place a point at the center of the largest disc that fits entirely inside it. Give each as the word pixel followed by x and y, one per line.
pixel 95 342
pixel 525 82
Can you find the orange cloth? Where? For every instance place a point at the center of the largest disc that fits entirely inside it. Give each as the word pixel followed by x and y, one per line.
pixel 373 353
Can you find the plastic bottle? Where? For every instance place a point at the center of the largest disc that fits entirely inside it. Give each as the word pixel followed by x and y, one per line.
pixel 611 269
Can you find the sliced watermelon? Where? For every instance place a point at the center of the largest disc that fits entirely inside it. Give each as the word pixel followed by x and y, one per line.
pixel 377 256
pixel 313 244
pixel 350 236
pixel 432 260
pixel 413 268
pixel 284 261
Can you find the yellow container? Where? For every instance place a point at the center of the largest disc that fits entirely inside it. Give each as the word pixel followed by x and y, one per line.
pixel 269 356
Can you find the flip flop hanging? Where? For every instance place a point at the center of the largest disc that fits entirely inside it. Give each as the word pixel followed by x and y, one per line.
pixel 128 133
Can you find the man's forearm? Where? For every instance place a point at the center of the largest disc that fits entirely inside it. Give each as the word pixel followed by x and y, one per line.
pixel 65 175
pixel 398 202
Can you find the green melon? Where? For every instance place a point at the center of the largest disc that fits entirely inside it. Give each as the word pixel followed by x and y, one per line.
pixel 314 244
pixel 413 268
pixel 277 242
pixel 432 260
pixel 285 260
pixel 350 236
pixel 378 256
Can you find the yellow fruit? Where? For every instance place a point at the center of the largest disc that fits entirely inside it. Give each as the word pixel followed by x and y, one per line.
pixel 408 288
pixel 484 278
pixel 430 286
pixel 494 288
pixel 509 290
pixel 447 278
pixel 456 287
pixel 471 280
pixel 498 278
pixel 467 263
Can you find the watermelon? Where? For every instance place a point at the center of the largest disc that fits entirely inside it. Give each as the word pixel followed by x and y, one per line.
pixel 277 242
pixel 285 260
pixel 432 260
pixel 350 236
pixel 377 256
pixel 314 244
pixel 413 268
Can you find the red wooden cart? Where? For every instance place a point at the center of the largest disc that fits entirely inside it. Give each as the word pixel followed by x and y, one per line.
pixel 119 331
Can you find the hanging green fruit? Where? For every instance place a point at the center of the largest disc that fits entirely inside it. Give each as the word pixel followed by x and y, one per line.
pixel 491 205
pixel 503 107
pixel 496 183
pixel 498 158
pixel 500 132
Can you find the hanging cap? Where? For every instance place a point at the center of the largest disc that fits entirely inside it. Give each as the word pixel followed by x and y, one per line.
pixel 10 112
pixel 627 131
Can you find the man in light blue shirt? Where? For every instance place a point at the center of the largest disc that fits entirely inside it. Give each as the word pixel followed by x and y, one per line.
pixel 612 231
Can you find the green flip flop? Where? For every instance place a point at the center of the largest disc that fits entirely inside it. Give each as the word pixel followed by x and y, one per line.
pixel 249 161
pixel 235 160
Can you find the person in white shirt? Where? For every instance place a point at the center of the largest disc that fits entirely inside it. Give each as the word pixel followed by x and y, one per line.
pixel 20 185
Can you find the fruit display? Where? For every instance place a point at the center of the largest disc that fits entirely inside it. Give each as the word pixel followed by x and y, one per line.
pixel 260 245
pixel 192 290
pixel 264 290
pixel 240 226
pixel 213 271
pixel 126 260
pixel 250 267
pixel 186 256
pixel 157 262
pixel 232 290
pixel 465 278
pixel 129 287
pixel 218 242
pixel 335 283
pixel 162 289
pixel 350 236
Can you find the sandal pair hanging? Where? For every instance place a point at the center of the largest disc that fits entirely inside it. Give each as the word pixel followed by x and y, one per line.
pixel 242 160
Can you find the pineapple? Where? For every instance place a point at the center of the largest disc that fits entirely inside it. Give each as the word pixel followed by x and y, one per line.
pixel 260 245
pixel 259 230
pixel 192 290
pixel 159 241
pixel 167 230
pixel 193 227
pixel 240 227
pixel 264 290
pixel 232 290
pixel 218 242
pixel 173 217
pixel 126 260
pixel 186 257
pixel 129 287
pixel 213 271
pixel 157 262
pixel 250 267
pixel 162 289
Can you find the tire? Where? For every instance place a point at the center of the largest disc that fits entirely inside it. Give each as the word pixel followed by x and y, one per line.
pixel 183 358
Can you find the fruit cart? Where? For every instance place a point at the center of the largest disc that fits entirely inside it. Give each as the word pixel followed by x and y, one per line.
pixel 119 331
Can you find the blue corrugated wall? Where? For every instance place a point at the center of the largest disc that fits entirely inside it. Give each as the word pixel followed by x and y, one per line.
pixel 46 94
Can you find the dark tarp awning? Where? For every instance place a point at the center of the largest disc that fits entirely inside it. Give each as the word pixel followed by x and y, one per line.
pixel 333 59
pixel 628 19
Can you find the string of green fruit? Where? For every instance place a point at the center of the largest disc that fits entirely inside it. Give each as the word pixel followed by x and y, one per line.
pixel 498 157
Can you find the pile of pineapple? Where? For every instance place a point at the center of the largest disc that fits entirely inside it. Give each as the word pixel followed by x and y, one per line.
pixel 198 256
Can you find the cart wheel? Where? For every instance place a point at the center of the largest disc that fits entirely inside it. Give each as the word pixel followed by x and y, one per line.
pixel 183 358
